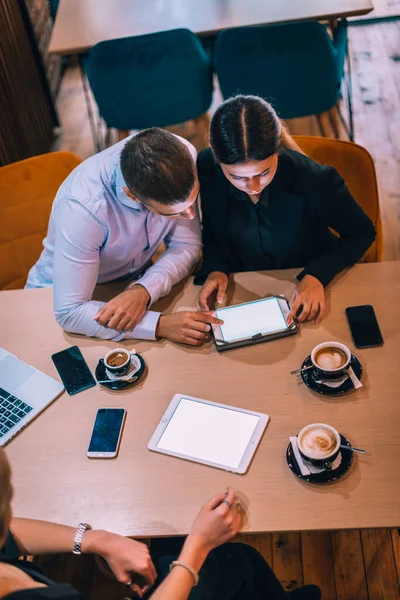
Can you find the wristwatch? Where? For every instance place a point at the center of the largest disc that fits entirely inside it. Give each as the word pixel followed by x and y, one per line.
pixel 82 527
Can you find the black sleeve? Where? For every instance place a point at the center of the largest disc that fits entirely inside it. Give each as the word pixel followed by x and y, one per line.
pixel 336 208
pixel 213 259
pixel 62 591
pixel 10 548
pixel 213 256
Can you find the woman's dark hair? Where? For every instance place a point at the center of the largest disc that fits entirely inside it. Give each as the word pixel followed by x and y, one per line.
pixel 156 165
pixel 247 128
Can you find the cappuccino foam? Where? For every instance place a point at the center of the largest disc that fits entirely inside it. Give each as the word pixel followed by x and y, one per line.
pixel 318 442
pixel 330 358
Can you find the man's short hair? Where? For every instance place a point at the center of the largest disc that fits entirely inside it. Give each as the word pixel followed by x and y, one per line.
pixel 156 165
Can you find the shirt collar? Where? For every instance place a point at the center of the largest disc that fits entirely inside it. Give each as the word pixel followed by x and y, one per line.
pixel 119 183
pixel 263 201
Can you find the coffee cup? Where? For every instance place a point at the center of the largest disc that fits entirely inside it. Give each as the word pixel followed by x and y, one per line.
pixel 319 444
pixel 118 361
pixel 331 359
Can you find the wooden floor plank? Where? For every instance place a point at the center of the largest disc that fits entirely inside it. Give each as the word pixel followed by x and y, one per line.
pixel 286 559
pixel 381 572
pixel 349 565
pixel 318 567
pixel 376 100
pixel 104 588
pixel 396 549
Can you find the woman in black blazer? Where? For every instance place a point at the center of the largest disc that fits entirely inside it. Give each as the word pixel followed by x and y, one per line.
pixel 266 205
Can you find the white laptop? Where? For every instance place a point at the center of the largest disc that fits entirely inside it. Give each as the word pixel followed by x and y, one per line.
pixel 24 393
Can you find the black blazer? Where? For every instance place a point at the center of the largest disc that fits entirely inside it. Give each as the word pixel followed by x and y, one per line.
pixel 306 199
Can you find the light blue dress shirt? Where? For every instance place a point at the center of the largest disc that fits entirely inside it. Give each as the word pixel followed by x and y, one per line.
pixel 97 234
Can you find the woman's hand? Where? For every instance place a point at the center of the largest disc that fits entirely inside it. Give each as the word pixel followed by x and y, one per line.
pixel 125 310
pixel 215 281
pixel 309 294
pixel 216 523
pixel 128 559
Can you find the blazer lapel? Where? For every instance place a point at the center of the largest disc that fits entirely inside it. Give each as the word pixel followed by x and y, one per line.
pixel 286 214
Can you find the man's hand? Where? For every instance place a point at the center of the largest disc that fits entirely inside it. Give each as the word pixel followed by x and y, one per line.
pixel 125 310
pixel 128 559
pixel 186 327
pixel 309 294
pixel 215 281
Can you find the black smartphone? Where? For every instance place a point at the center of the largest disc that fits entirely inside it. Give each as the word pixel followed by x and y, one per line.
pixel 364 326
pixel 107 432
pixel 73 370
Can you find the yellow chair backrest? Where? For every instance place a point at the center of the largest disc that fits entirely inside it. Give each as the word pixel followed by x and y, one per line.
pixel 27 191
pixel 354 163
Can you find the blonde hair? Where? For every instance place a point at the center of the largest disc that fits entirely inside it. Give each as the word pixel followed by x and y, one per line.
pixel 5 493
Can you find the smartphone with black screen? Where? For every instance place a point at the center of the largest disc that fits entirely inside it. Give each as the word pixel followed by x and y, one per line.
pixel 107 432
pixel 364 326
pixel 73 370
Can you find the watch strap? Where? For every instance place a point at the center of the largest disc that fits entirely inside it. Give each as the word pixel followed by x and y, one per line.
pixel 82 527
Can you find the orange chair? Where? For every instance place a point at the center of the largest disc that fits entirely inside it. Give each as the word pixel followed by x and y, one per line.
pixel 27 190
pixel 355 165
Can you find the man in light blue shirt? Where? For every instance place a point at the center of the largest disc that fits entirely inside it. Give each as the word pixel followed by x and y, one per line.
pixel 108 219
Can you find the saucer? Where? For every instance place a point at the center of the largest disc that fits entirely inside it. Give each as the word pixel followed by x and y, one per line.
pixel 309 379
pixel 323 476
pixel 118 384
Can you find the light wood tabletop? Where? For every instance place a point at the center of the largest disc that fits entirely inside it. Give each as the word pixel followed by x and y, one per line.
pixel 80 24
pixel 142 493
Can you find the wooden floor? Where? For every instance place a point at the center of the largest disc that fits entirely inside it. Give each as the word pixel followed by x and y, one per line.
pixel 347 565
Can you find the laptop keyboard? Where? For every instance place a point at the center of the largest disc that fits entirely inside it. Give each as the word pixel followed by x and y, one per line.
pixel 12 410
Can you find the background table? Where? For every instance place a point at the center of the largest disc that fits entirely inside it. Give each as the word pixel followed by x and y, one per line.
pixel 142 493
pixel 80 24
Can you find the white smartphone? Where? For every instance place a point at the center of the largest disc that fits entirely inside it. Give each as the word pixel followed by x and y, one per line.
pixel 107 432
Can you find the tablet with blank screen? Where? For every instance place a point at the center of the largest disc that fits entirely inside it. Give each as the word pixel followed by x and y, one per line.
pixel 252 322
pixel 207 432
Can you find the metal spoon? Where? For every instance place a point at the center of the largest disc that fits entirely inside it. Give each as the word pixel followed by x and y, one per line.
pixel 113 380
pixel 301 370
pixel 359 450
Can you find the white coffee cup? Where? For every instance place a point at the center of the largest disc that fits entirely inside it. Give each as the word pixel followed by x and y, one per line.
pixel 332 359
pixel 319 444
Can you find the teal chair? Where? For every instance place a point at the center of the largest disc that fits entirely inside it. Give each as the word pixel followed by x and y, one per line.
pixel 297 67
pixel 151 80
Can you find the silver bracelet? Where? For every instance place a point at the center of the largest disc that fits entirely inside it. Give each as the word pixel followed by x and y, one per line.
pixel 82 527
pixel 180 563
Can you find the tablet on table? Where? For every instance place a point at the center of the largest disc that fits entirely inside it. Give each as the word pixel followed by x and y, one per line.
pixel 207 432
pixel 252 322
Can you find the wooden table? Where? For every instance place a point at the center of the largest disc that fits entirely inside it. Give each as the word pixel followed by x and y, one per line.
pixel 80 24
pixel 148 494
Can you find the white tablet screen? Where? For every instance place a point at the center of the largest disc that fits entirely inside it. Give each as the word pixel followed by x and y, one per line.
pixel 209 433
pixel 245 320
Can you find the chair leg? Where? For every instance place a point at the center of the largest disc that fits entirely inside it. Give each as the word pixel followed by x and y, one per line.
pixel 333 122
pixel 348 129
pixel 320 125
pixel 85 85
pixel 349 96
pixel 122 134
